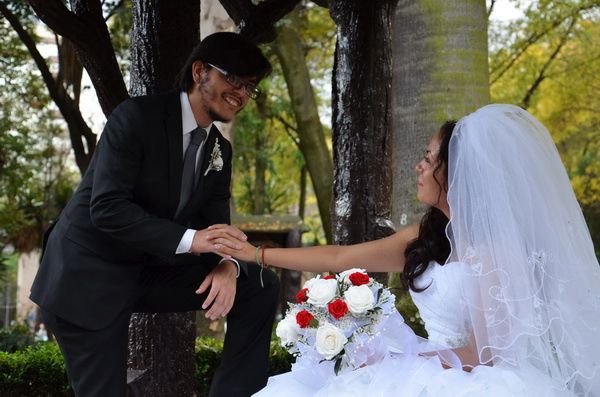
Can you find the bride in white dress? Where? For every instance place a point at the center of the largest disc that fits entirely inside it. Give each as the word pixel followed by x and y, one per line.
pixel 502 269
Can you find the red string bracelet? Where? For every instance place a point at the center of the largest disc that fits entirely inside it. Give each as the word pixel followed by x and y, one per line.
pixel 262 256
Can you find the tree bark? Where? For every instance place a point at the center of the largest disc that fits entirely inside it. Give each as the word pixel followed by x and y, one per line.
pixel 288 48
pixel 440 73
pixel 256 21
pixel 164 33
pixel 162 37
pixel 362 119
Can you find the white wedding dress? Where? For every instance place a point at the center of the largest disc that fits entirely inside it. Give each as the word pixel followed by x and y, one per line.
pixel 520 291
pixel 410 374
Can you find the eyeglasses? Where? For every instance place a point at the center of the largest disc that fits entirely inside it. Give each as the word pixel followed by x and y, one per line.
pixel 236 82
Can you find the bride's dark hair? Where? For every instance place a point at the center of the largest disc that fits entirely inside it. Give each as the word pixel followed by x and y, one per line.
pixel 431 244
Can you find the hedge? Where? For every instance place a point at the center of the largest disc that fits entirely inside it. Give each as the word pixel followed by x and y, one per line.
pixel 39 370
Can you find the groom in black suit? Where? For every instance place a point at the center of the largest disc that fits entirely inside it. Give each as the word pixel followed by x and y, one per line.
pixel 135 237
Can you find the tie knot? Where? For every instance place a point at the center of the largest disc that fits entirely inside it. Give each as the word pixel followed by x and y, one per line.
pixel 197 136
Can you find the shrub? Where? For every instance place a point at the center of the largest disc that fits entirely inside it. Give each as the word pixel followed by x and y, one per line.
pixel 16 337
pixel 37 371
pixel 208 358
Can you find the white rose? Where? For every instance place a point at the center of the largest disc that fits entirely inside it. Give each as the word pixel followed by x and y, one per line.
pixel 346 274
pixel 309 282
pixel 359 299
pixel 288 330
pixel 330 341
pixel 321 292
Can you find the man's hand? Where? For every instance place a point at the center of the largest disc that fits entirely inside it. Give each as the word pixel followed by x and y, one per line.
pixel 215 237
pixel 222 283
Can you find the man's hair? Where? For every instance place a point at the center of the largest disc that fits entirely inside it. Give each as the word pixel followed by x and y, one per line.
pixel 230 52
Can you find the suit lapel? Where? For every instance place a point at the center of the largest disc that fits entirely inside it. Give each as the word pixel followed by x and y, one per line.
pixel 173 129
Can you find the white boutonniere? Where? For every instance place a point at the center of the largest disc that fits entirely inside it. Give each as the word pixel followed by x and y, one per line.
pixel 216 159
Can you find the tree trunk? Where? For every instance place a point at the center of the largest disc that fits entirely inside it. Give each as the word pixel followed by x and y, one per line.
pixel 288 48
pixel 440 73
pixel 302 198
pixel 162 37
pixel 361 120
pixel 163 34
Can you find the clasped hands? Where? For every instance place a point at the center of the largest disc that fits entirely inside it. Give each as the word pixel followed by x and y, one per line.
pixel 225 241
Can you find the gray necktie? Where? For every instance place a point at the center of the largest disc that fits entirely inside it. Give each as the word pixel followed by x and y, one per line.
pixel 188 176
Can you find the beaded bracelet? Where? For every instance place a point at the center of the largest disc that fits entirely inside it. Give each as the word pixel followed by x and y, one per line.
pixel 257 256
pixel 257 260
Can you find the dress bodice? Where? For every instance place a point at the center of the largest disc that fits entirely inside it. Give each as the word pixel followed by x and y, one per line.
pixel 442 306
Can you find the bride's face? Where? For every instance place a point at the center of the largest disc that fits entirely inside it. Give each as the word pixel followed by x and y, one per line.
pixel 431 176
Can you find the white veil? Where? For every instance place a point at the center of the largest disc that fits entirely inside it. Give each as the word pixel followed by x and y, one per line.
pixel 516 223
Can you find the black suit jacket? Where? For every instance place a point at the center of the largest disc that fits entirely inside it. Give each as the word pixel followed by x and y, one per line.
pixel 122 216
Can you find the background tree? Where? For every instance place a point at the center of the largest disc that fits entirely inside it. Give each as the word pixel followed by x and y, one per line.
pixel 548 61
pixel 311 139
pixel 86 22
pixel 35 181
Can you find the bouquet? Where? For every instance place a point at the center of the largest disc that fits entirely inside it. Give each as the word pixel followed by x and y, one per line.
pixel 336 318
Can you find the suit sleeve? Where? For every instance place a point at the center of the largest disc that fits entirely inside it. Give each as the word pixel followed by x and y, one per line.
pixel 216 210
pixel 112 207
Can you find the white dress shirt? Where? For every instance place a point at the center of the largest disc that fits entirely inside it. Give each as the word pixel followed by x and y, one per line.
pixel 188 124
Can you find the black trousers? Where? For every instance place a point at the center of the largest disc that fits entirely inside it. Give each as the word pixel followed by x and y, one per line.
pixel 97 359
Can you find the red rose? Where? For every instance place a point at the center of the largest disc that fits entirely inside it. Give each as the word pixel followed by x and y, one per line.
pixel 303 318
pixel 301 296
pixel 337 308
pixel 331 276
pixel 359 278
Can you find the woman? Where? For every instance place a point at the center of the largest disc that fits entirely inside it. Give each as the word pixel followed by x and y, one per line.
pixel 502 269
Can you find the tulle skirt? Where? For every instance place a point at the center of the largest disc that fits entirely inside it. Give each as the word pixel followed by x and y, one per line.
pixel 409 375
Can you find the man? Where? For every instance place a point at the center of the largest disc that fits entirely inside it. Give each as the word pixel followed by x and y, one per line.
pixel 134 236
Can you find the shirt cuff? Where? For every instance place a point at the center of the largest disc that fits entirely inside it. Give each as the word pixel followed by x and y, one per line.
pixel 185 245
pixel 236 264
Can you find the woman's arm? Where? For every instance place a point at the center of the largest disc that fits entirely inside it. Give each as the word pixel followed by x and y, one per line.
pixel 384 255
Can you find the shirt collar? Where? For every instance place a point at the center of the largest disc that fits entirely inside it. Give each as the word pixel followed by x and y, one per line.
pixel 188 121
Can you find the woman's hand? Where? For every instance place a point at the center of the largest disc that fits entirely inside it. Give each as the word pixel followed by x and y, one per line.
pixel 230 241
pixel 210 240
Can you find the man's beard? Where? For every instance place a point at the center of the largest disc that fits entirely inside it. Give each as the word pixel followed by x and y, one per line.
pixel 214 116
pixel 217 117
